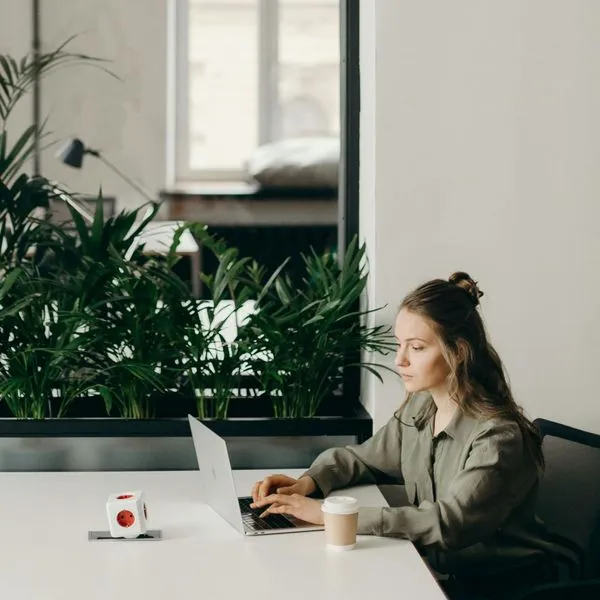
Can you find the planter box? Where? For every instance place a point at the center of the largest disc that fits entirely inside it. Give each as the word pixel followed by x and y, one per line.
pixel 249 417
pixel 88 443
pixel 358 424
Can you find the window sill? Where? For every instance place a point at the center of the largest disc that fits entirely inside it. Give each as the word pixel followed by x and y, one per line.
pixel 242 190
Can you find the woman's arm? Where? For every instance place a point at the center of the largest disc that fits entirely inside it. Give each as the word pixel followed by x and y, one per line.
pixel 498 475
pixel 369 462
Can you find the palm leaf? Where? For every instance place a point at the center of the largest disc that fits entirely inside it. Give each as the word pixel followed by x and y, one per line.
pixel 272 279
pixel 98 223
pixel 17 78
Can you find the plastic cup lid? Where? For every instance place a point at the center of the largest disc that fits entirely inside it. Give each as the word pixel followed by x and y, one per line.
pixel 340 505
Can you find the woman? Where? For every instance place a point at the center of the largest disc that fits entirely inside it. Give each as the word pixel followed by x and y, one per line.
pixel 467 455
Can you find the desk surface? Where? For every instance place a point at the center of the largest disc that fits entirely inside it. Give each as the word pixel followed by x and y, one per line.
pixel 45 554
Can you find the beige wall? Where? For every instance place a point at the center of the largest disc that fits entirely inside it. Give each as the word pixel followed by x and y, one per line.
pixel 15 39
pixel 480 152
pixel 125 118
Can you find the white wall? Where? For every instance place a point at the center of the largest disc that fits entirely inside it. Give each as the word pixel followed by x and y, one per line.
pixel 124 118
pixel 480 149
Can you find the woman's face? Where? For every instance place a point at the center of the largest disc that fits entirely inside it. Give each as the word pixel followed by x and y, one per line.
pixel 419 357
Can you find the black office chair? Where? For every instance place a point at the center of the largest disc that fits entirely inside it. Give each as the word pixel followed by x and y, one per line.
pixel 575 590
pixel 569 495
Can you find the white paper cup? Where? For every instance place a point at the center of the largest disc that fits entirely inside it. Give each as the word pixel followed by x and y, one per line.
pixel 340 515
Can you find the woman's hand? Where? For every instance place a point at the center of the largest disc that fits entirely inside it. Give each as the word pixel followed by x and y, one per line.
pixel 282 484
pixel 305 509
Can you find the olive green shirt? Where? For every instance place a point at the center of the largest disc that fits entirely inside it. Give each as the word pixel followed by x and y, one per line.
pixel 472 489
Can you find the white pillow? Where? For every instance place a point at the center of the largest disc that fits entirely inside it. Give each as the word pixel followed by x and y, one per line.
pixel 311 162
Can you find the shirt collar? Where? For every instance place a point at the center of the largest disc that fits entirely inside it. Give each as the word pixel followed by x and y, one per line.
pixel 459 428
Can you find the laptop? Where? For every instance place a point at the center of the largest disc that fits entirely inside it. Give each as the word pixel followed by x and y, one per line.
pixel 219 489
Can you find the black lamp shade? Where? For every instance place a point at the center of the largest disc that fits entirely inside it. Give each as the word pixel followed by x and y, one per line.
pixel 72 153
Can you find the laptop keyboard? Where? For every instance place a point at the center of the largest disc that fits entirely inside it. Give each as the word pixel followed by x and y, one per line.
pixel 252 520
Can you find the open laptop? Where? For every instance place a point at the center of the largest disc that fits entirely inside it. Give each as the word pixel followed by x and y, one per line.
pixel 219 489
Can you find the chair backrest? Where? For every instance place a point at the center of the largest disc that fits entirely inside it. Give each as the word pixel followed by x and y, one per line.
pixel 578 590
pixel 569 497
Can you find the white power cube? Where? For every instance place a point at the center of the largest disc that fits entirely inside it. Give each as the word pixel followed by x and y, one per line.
pixel 127 514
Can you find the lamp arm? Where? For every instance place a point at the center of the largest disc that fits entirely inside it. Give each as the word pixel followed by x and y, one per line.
pixel 123 176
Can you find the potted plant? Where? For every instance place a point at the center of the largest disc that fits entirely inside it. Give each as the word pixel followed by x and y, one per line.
pixel 100 339
pixel 311 333
pixel 222 359
pixel 39 348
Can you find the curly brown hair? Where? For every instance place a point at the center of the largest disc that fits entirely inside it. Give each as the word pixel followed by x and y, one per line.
pixel 477 380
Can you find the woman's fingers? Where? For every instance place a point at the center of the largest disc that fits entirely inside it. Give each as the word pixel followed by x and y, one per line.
pixel 285 509
pixel 271 483
pixel 270 501
pixel 296 505
pixel 281 503
pixel 265 487
pixel 255 489
pixel 261 488
pixel 280 483
pixel 269 510
pixel 274 498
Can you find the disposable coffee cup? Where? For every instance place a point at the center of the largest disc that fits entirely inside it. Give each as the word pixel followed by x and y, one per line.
pixel 340 515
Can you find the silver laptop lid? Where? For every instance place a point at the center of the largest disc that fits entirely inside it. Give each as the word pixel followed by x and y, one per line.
pixel 216 476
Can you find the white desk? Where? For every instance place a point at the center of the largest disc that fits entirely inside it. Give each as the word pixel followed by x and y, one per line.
pixel 45 554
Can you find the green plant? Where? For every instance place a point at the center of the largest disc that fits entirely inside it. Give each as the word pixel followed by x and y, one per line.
pixel 19 230
pixel 219 345
pixel 310 334
pixel 103 323
pixel 94 297
pixel 40 350
pixel 132 334
pixel 17 78
pixel 95 309
pixel 24 199
pixel 84 311
pixel 128 308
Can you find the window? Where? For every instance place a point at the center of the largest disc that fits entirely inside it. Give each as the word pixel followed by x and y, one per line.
pixel 250 72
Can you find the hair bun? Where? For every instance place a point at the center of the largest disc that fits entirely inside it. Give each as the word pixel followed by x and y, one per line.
pixel 466 282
